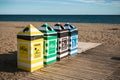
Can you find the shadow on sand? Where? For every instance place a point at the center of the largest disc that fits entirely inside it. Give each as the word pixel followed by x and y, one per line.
pixel 8 62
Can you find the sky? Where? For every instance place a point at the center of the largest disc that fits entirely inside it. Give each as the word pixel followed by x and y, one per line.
pixel 52 7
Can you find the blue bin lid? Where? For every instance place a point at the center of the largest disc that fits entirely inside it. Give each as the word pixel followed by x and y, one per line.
pixel 70 27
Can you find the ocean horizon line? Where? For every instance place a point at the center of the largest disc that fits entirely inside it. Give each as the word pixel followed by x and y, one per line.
pixel 113 19
pixel 68 14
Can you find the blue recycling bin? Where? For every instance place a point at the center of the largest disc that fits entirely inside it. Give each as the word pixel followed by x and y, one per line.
pixel 73 39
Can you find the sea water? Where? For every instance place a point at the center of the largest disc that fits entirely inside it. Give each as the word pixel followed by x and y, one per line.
pixel 111 19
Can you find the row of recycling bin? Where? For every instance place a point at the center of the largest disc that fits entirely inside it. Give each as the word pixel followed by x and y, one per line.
pixel 43 46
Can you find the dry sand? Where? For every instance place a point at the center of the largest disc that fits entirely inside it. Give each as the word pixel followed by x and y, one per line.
pixel 108 34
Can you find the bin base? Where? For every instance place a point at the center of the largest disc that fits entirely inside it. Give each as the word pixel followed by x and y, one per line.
pixel 58 58
pixel 73 54
pixel 50 62
pixel 30 69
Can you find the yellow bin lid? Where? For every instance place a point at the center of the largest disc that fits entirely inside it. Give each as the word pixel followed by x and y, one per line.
pixel 30 30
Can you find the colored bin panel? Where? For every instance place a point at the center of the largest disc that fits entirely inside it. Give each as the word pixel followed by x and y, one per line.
pixel 73 39
pixel 50 44
pixel 30 49
pixel 63 36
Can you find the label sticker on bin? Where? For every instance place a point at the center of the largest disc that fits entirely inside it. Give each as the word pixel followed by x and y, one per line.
pixel 74 42
pixel 52 46
pixel 37 50
pixel 64 44
pixel 23 50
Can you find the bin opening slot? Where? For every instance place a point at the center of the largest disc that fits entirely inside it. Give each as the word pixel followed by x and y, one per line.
pixel 71 26
pixel 62 27
pixel 49 28
pixel 26 29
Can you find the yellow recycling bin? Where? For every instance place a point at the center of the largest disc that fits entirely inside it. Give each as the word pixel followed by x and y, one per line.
pixel 30 49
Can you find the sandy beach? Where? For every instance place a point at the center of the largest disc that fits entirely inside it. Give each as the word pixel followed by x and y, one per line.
pixel 107 34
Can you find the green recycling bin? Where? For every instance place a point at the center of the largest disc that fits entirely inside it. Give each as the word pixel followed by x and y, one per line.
pixel 50 44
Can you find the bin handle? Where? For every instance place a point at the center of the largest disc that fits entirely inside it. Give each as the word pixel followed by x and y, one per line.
pixel 61 27
pixel 49 28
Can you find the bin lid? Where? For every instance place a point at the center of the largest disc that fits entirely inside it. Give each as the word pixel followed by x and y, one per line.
pixel 46 29
pixel 30 30
pixel 70 27
pixel 59 27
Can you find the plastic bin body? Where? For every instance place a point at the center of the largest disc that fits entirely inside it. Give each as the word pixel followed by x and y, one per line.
pixel 62 44
pixel 50 44
pixel 73 39
pixel 30 49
